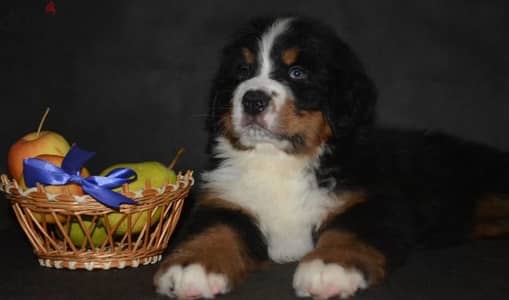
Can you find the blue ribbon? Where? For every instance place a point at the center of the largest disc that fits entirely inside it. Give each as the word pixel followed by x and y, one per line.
pixel 38 170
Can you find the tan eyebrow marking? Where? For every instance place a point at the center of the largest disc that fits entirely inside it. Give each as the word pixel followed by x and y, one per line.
pixel 289 56
pixel 249 56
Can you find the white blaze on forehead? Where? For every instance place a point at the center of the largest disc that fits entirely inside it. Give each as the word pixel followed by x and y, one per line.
pixel 278 92
pixel 267 43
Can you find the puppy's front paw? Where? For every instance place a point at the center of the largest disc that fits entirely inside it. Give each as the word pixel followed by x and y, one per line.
pixel 190 282
pixel 322 281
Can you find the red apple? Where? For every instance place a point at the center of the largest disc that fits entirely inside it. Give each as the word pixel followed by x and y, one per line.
pixel 33 144
pixel 72 188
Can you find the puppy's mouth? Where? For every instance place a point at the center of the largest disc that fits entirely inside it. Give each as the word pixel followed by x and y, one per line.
pixel 255 130
pixel 258 121
pixel 253 133
pixel 258 133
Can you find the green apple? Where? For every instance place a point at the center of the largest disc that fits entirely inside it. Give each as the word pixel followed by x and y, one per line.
pixel 77 235
pixel 158 174
pixel 138 219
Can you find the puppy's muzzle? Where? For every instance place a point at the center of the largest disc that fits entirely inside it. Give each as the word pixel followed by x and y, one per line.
pixel 255 102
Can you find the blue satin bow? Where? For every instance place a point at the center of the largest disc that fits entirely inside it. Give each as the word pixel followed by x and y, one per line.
pixel 38 170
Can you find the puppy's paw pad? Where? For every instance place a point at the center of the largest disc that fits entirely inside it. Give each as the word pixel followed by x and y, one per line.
pixel 190 282
pixel 323 281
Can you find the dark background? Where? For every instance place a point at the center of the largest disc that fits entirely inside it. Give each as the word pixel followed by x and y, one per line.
pixel 129 79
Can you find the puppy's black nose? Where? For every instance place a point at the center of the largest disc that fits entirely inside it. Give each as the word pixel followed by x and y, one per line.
pixel 254 102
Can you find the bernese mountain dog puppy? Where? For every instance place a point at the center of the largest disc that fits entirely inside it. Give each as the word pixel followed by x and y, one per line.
pixel 301 173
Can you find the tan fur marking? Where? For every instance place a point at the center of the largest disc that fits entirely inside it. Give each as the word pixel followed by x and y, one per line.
pixel 218 250
pixel 345 249
pixel 249 56
pixel 227 127
pixel 491 230
pixel 349 200
pixel 492 207
pixel 491 218
pixel 310 125
pixel 226 124
pixel 289 56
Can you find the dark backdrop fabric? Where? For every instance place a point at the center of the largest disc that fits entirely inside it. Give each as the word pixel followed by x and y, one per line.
pixel 130 79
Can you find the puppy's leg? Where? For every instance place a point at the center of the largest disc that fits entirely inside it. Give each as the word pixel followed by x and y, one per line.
pixel 340 265
pixel 222 245
pixel 353 251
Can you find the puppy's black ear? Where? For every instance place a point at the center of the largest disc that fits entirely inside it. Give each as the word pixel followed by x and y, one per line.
pixel 351 104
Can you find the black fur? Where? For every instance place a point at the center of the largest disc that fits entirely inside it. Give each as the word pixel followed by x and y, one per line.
pixel 422 188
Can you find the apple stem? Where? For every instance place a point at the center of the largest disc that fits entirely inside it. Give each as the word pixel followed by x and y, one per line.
pixel 177 157
pixel 41 123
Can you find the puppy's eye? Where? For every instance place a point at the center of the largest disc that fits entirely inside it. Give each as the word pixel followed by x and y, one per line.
pixel 243 71
pixel 297 73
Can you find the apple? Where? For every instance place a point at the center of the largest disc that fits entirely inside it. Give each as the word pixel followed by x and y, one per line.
pixel 153 171
pixel 138 221
pixel 158 175
pixel 98 234
pixel 70 189
pixel 33 144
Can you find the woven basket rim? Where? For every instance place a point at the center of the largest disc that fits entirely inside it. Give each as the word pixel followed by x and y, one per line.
pixel 39 197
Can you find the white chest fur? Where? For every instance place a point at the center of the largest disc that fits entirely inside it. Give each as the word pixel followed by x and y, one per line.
pixel 279 190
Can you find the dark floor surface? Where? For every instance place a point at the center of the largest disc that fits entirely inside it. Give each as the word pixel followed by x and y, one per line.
pixel 477 271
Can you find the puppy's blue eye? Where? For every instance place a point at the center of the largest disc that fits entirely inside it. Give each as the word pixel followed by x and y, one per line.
pixel 297 73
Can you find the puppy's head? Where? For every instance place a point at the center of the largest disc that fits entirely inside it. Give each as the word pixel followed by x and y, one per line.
pixel 289 82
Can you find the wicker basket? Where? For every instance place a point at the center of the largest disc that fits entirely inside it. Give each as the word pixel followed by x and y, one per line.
pixel 77 232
